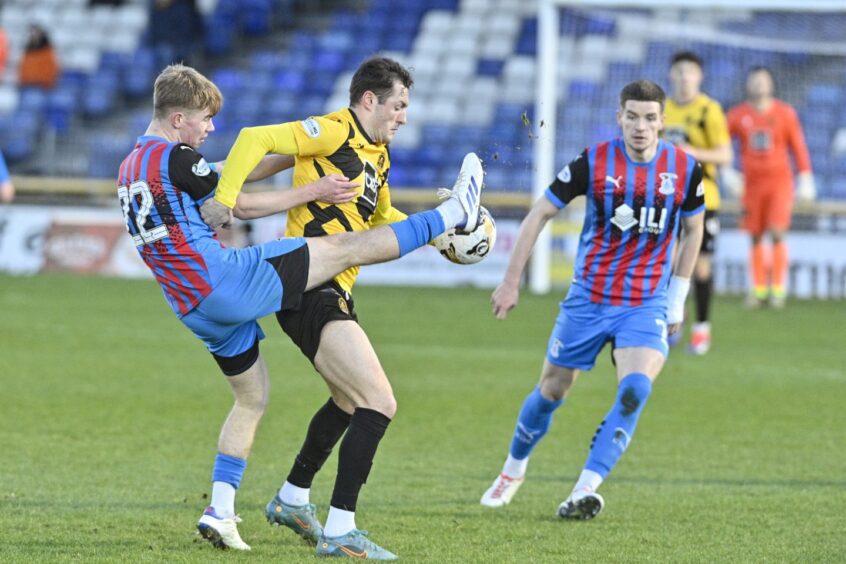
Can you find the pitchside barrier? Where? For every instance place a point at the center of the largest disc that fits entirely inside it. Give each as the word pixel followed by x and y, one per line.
pixel 75 225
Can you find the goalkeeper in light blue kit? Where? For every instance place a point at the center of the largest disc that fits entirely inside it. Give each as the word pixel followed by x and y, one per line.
pixel 639 191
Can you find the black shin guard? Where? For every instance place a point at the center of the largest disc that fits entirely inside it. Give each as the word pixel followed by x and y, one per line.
pixel 704 289
pixel 326 427
pixel 367 427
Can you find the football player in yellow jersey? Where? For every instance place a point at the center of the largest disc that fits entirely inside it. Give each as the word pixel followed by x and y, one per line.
pixel 352 142
pixel 698 125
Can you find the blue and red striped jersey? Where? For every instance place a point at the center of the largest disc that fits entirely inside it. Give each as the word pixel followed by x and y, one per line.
pixel 160 187
pixel 632 217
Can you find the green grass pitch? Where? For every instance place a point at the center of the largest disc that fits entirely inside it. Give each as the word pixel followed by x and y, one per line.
pixel 110 409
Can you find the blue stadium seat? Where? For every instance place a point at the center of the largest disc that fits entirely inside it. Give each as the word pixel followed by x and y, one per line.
pixel 219 35
pixel 98 97
pixel 61 105
pixel 231 81
pixel 329 61
pixel 423 176
pixel 337 40
pixel 401 42
pixel 437 135
pixel 32 99
pixel 265 60
pixel 527 40
pixel 400 176
pixel 490 67
pixel 256 16
pixel 290 80
pixel 18 146
pixel 139 74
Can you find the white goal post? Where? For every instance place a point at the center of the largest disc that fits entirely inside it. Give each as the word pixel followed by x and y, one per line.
pixel 547 88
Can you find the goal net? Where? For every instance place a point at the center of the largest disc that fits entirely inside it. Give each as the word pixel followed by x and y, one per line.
pixel 588 50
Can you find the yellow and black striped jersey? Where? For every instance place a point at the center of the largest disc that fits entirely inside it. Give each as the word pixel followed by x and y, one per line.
pixel 702 124
pixel 336 143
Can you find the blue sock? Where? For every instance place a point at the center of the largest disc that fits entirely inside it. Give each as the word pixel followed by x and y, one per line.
pixel 533 423
pixel 228 469
pixel 616 431
pixel 417 230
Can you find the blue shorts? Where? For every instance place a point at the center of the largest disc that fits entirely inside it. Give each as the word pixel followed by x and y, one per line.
pixel 249 287
pixel 583 327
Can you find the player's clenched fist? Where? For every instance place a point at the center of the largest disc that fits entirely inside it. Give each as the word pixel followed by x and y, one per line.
pixel 215 214
pixel 503 299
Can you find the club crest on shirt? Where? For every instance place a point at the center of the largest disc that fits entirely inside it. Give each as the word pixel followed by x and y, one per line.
pixel 201 168
pixel 342 305
pixel 380 164
pixel 668 183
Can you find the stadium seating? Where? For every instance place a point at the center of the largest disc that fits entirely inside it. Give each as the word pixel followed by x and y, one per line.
pixel 474 63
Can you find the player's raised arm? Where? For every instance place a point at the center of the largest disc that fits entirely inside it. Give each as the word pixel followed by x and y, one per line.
pixel 507 294
pixel 267 167
pixel 332 188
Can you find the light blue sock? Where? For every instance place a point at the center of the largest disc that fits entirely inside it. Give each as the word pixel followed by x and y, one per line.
pixel 228 469
pixel 617 430
pixel 417 230
pixel 533 423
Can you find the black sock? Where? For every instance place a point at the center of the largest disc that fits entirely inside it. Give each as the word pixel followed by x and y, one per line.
pixel 326 427
pixel 704 289
pixel 367 427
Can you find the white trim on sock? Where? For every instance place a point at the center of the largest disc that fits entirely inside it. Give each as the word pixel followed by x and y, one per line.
pixel 588 481
pixel 452 213
pixel 514 468
pixel 339 522
pixel 223 499
pixel 293 495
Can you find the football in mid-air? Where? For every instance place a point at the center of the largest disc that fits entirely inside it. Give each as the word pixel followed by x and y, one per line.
pixel 462 247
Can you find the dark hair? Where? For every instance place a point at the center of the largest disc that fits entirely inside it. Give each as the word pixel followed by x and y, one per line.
pixel 642 91
pixel 760 68
pixel 378 75
pixel 687 56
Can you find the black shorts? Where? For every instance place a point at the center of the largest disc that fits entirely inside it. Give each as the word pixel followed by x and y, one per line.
pixel 319 306
pixel 712 229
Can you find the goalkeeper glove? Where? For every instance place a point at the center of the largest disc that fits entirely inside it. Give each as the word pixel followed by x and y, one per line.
pixel 806 188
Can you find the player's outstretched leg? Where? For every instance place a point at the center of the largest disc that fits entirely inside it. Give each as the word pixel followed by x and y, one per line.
pixel 331 255
pixel 611 440
pixel 354 544
pixel 464 193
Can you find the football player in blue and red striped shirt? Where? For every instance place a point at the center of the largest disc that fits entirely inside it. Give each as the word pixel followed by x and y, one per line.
pixel 219 293
pixel 639 192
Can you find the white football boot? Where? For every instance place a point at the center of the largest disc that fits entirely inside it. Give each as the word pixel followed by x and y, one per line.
pixel 467 190
pixel 584 505
pixel 501 491
pixel 221 532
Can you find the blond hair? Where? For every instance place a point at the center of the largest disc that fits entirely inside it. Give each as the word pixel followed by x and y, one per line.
pixel 182 87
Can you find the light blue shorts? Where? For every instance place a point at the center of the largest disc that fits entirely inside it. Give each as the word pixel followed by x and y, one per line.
pixel 583 327
pixel 250 287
